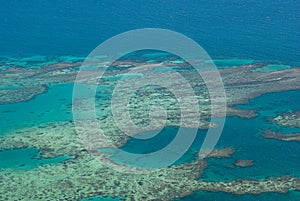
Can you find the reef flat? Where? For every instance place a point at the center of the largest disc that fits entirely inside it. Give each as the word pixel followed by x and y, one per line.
pixel 291 119
pixel 83 176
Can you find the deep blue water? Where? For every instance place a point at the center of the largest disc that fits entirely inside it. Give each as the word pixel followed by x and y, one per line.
pixel 267 30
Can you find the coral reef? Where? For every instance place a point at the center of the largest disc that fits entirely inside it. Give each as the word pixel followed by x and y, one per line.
pixel 243 163
pixel 291 119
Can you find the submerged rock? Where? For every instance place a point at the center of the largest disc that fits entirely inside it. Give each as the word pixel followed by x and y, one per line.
pixel 244 163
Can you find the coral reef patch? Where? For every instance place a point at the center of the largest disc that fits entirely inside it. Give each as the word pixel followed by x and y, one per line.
pixel 291 119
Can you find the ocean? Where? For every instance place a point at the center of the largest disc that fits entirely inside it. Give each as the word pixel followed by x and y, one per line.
pixel 267 30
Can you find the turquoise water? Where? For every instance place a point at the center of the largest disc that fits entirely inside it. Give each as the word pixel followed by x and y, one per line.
pixel 53 106
pixel 25 158
pixel 272 68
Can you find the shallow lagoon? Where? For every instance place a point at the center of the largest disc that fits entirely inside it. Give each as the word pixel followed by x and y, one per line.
pixel 47 107
pixel 25 158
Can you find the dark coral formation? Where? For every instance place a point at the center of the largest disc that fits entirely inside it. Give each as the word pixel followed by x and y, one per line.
pixel 244 163
pixel 283 137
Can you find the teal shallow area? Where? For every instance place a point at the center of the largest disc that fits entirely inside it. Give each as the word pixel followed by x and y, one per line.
pixel 272 67
pixel 52 106
pixel 25 158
